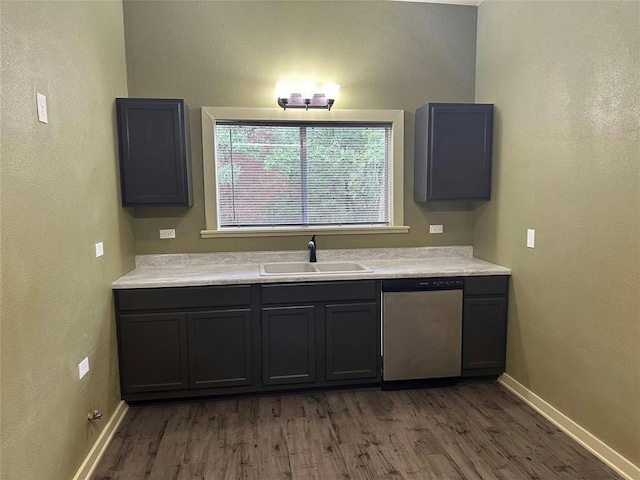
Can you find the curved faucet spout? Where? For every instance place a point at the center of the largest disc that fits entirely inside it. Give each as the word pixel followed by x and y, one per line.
pixel 312 249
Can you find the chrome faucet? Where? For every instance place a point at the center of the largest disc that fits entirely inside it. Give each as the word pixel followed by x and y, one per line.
pixel 312 249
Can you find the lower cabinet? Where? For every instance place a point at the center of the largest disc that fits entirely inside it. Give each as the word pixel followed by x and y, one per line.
pixel 288 345
pixel 484 326
pixel 352 341
pixel 220 348
pixel 321 334
pixel 153 352
pixel 220 340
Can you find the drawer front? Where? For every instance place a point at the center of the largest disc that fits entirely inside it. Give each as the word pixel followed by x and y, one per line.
pixel 183 297
pixel 318 292
pixel 487 285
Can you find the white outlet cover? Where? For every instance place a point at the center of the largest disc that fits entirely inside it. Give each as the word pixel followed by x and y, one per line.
pixel 99 249
pixel 83 368
pixel 436 229
pixel 531 238
pixel 41 102
pixel 168 233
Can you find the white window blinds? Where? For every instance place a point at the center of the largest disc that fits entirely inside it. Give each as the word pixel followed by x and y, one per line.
pixel 302 174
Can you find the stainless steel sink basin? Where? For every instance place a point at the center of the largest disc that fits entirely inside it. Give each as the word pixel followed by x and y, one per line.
pixel 306 268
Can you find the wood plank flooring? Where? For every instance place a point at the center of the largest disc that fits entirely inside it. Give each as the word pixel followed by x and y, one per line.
pixel 475 431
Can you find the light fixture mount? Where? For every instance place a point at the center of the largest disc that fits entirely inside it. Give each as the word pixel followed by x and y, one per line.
pixel 310 98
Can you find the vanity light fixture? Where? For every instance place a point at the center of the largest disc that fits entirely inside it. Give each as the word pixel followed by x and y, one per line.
pixel 306 95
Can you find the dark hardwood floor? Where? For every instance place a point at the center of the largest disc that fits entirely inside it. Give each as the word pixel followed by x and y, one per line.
pixel 476 430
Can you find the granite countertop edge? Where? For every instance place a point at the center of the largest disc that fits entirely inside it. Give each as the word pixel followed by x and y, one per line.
pixel 187 270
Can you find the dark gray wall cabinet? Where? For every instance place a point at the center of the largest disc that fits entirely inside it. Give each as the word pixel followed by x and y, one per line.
pixel 484 325
pixel 452 157
pixel 155 167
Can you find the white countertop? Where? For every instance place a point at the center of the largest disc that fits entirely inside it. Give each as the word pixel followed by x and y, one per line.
pixel 201 269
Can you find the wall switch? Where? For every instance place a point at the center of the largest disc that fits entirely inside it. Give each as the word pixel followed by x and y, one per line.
pixel 436 229
pixel 99 249
pixel 41 101
pixel 168 233
pixel 83 368
pixel 531 238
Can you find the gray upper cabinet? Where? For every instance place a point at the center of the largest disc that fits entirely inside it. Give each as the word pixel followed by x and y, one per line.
pixel 453 152
pixel 155 169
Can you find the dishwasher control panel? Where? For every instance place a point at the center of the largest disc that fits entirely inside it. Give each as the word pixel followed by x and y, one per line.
pixel 421 284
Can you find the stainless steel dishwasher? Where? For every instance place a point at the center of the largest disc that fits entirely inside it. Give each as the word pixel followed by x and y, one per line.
pixel 422 330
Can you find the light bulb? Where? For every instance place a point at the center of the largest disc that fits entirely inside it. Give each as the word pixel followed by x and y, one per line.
pixel 284 89
pixel 307 89
pixel 331 90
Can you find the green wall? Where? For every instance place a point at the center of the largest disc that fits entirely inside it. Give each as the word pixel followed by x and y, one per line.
pixel 59 196
pixel 565 77
pixel 386 55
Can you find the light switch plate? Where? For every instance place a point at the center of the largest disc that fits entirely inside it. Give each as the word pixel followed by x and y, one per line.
pixel 436 229
pixel 99 249
pixel 168 233
pixel 83 368
pixel 41 101
pixel 531 238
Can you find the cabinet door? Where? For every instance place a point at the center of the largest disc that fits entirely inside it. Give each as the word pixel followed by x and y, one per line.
pixel 153 352
pixel 453 152
pixel 154 155
pixel 288 345
pixel 352 341
pixel 220 348
pixel 484 335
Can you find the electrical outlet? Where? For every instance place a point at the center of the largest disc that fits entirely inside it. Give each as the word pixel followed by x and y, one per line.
pixel 41 102
pixel 83 368
pixel 531 238
pixel 168 233
pixel 436 229
pixel 99 249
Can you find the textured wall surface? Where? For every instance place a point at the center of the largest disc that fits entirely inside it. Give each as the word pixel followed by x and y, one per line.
pixel 59 196
pixel 565 77
pixel 386 55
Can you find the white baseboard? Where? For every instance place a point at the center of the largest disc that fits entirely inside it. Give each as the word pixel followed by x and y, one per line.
pixel 604 452
pixel 95 454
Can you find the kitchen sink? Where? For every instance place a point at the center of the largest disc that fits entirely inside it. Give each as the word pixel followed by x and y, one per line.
pixel 306 268
pixel 335 267
pixel 286 268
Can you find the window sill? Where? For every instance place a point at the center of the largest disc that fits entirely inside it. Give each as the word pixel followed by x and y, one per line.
pixel 301 231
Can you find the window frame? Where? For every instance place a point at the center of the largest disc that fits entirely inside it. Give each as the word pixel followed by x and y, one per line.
pixel 212 114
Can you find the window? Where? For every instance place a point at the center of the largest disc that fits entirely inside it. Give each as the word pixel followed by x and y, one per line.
pixel 271 172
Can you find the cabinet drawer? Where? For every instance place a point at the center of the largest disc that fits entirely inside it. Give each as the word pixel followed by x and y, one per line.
pixel 183 297
pixel 318 292
pixel 487 285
